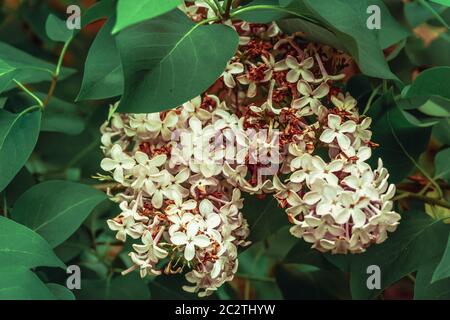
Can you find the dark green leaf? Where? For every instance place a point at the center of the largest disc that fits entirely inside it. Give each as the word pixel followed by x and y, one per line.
pixel 442 270
pixel 61 116
pixel 18 136
pixel 130 13
pixel 129 287
pixel 101 9
pixel 103 76
pixel 441 131
pixel 301 282
pixel 302 253
pixel 20 246
pixel 22 284
pixel 405 251
pixel 431 82
pixel 60 292
pixel 58 208
pixel 264 216
pixel 442 164
pixel 348 19
pixel 57 29
pixel 169 60
pixel 393 132
pixel 29 68
pixel 425 289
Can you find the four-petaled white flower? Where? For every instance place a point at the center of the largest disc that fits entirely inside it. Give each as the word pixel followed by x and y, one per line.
pixel 118 162
pixel 165 127
pixel 232 69
pixel 190 239
pixel 298 69
pixel 310 97
pixel 337 130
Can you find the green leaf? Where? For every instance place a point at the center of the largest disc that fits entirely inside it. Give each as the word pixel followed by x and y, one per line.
pixel 74 246
pixel 348 19
pixel 129 287
pixel 29 69
pixel 164 288
pixel 393 132
pixel 99 10
pixel 58 208
pixel 18 136
pixel 313 32
pixel 418 240
pixel 442 2
pixel 169 60
pixel 130 13
pixel 431 82
pixel 442 271
pixel 57 29
pixel 416 14
pixel 62 116
pixel 22 284
pixel 103 75
pixel 60 292
pixel 436 53
pixel 303 282
pixel 264 216
pixel 436 107
pixel 271 11
pixel 442 164
pixel 20 246
pixel 441 131
pixel 7 74
pixel 302 253
pixel 425 289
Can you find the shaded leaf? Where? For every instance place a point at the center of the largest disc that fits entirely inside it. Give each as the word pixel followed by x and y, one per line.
pixel 20 246
pixel 57 29
pixel 103 75
pixel 58 208
pixel 169 60
pixel 264 216
pixel 130 13
pixel 60 292
pixel 22 284
pixel 425 289
pixel 442 270
pixel 18 136
pixel 393 132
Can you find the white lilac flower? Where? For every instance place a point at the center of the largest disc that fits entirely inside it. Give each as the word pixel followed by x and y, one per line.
pixel 298 69
pixel 309 97
pixel 125 225
pixel 232 69
pixel 344 103
pixel 118 162
pixel 163 127
pixel 338 130
pixel 190 239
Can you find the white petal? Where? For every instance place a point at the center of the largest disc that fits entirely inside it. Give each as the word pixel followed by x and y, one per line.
pixel 312 197
pixel 343 141
pixel 201 241
pixel 189 251
pixel 327 136
pixel 108 164
pixel 192 229
pixel 178 238
pixel 292 76
pixel 206 207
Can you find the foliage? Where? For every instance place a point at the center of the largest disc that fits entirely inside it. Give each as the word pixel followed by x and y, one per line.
pixel 55 87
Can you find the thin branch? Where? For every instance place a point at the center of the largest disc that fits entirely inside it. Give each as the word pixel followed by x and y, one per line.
pixel 55 76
